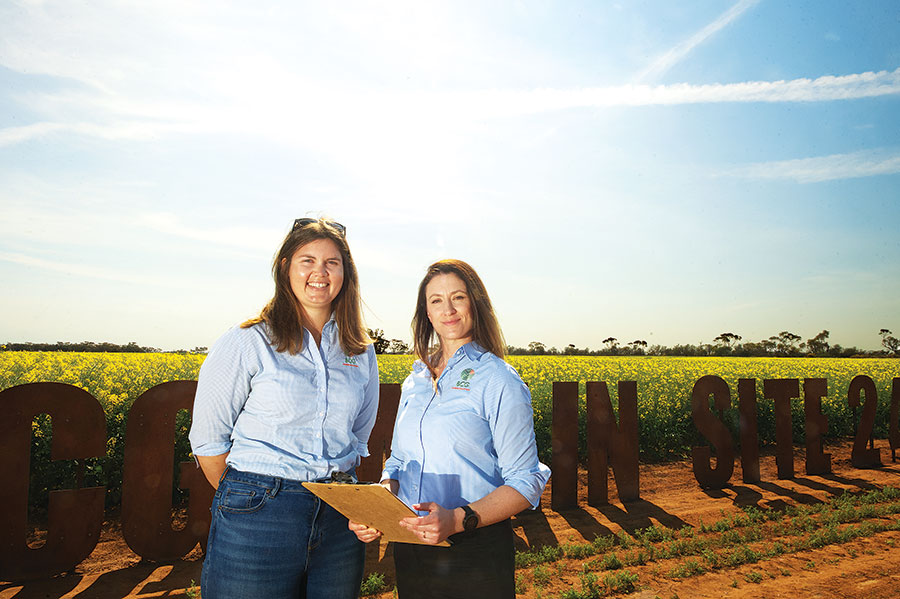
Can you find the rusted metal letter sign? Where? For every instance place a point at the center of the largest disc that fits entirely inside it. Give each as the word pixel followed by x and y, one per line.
pixel 79 432
pixel 782 391
pixel 564 445
pixel 75 515
pixel 817 461
pixel 148 474
pixel 749 432
pixel 713 429
pixel 617 445
pixel 611 443
pixel 380 440
pixel 860 456
pixel 893 427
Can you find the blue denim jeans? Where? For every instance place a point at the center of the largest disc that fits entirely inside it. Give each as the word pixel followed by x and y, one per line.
pixel 273 539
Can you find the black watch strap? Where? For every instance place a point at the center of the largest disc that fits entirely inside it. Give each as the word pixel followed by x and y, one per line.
pixel 470 519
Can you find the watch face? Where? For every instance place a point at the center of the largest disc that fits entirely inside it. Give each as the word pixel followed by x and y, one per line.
pixel 470 522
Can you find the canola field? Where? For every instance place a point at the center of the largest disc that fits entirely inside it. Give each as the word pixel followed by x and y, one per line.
pixel 664 387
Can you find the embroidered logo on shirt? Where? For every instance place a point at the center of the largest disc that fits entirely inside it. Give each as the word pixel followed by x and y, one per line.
pixel 464 377
pixel 351 361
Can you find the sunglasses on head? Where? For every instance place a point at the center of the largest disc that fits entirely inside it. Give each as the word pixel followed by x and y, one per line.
pixel 299 223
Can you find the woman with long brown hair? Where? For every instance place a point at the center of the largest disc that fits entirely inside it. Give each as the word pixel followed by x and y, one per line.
pixel 287 397
pixel 463 453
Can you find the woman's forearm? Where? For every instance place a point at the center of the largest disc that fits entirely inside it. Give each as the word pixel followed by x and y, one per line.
pixel 440 523
pixel 213 466
pixel 498 505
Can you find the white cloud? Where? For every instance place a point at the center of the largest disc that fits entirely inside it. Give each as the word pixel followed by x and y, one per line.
pixel 822 89
pixel 251 238
pixel 171 71
pixel 675 55
pixel 15 135
pixel 824 168
pixel 401 121
pixel 134 130
pixel 91 272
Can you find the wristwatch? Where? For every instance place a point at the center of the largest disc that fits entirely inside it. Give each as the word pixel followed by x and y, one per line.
pixel 470 520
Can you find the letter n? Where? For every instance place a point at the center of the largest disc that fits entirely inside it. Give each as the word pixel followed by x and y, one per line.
pixel 75 515
pixel 611 443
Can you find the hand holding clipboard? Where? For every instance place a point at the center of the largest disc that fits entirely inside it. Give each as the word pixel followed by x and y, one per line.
pixel 372 505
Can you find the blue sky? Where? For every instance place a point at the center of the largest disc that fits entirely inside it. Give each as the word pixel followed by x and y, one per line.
pixel 643 170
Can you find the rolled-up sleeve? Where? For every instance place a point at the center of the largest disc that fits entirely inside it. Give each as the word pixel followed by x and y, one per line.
pixel 509 412
pixel 392 467
pixel 223 386
pixel 365 421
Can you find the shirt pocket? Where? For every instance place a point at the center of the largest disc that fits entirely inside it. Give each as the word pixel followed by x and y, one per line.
pixel 347 388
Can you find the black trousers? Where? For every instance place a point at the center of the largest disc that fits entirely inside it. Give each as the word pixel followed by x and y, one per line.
pixel 480 564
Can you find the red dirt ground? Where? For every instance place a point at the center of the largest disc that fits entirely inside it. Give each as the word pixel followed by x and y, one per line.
pixel 867 568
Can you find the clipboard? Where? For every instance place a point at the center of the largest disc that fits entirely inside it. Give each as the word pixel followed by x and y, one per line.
pixel 372 505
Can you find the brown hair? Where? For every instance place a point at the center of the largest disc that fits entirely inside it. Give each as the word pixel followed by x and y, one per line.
pixel 283 316
pixel 485 328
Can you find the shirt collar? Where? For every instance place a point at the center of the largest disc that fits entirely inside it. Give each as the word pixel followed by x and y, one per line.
pixel 472 351
pixel 327 329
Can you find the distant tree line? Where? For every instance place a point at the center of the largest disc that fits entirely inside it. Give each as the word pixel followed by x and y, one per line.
pixel 387 346
pixel 90 346
pixel 784 344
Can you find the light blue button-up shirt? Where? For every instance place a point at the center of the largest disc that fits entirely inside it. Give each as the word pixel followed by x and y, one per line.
pixel 297 416
pixel 456 444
